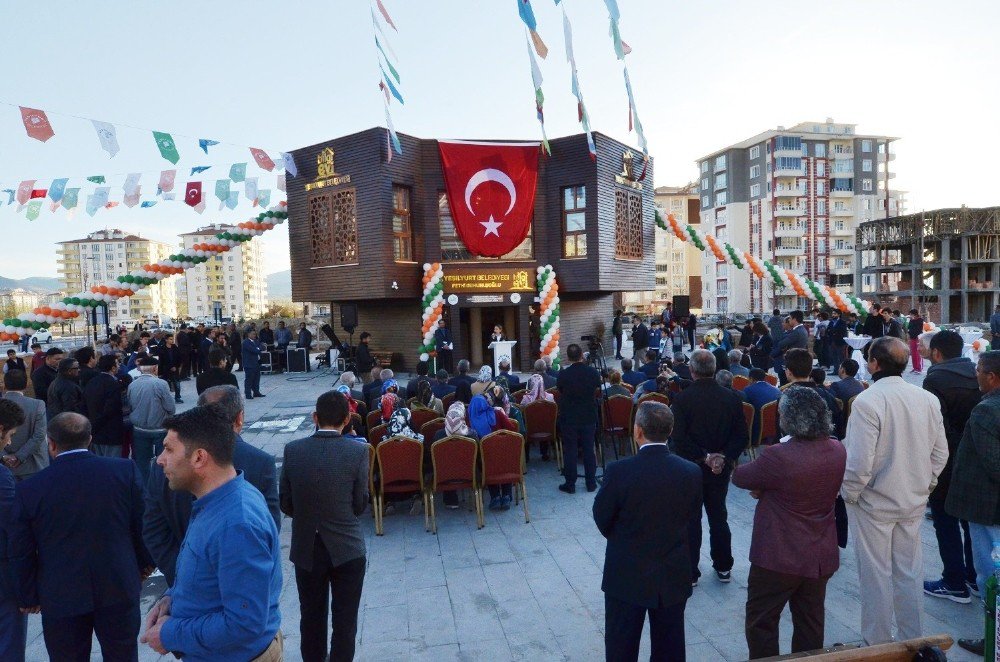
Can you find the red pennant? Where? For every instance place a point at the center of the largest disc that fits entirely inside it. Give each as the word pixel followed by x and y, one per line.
pixel 491 192
pixel 262 159
pixel 39 193
pixel 37 124
pixel 24 191
pixel 192 195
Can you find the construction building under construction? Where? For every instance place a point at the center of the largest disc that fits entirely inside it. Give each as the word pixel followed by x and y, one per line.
pixel 945 263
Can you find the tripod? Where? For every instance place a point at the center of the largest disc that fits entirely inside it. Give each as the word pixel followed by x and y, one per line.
pixel 595 358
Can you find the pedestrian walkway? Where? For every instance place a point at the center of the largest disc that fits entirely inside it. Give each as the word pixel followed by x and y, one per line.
pixel 516 591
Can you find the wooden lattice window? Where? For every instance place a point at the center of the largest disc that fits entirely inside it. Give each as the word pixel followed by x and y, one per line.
pixel 333 227
pixel 628 225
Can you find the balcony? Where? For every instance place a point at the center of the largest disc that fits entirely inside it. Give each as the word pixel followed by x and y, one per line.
pixel 881 157
pixel 846 211
pixel 840 155
pixel 845 250
pixel 841 174
pixel 788 192
pixel 788 251
pixel 790 212
pixel 790 172
pixel 790 230
pixel 846 231
pixel 842 271
pixel 841 193
pixel 793 153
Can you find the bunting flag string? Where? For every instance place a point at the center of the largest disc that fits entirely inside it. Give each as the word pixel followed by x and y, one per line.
pixel 536 81
pixel 582 116
pixel 527 15
pixel 383 51
pixel 621 50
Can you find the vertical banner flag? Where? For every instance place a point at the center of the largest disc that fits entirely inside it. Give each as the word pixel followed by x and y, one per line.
pixel 165 143
pixel 132 199
pixel 192 195
pixel 262 159
pixel 491 192
pixel 288 162
pixel 264 197
pixel 392 136
pixel 37 124
pixel 238 172
pixel 98 199
pixel 200 207
pixel 281 182
pixel 34 207
pixel 581 109
pixel 233 200
pixel 528 17
pixel 385 15
pixel 167 180
pixel 132 183
pixel 57 189
pixel 251 188
pixel 108 135
pixel 536 81
pixel 205 143
pixel 24 190
pixel 70 198
pixel 222 190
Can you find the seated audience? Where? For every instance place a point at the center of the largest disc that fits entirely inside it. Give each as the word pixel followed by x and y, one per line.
pixel 485 419
pixel 736 360
pixel 680 366
pixel 463 374
pixel 535 390
pixel 454 426
pixel 614 384
pixel 725 379
pixel 541 368
pixel 848 386
pixel 632 377
pixel 759 393
pixel 513 383
pixel 484 381
pixel 426 399
pixel 440 385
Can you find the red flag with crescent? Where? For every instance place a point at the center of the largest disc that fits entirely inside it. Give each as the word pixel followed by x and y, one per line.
pixel 36 123
pixel 491 193
pixel 192 193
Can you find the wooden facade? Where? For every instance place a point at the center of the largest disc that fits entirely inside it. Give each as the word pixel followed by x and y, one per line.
pixel 359 179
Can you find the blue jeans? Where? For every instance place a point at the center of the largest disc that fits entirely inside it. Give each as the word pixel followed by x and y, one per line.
pixel 13 631
pixel 955 556
pixel 574 437
pixel 146 444
pixel 983 538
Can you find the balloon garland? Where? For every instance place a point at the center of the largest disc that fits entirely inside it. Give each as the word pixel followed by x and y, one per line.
pixel 548 293
pixel 764 269
pixel 433 303
pixel 127 285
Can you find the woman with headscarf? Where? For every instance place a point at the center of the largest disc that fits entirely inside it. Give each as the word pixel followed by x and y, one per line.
pixel 426 400
pixel 396 418
pixel 454 425
pixel 536 390
pixel 484 381
pixel 485 419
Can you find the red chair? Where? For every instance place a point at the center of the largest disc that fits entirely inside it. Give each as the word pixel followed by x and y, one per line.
pixel 748 415
pixel 454 463
pixel 555 393
pixel 540 425
pixel 430 429
pixel 401 471
pixel 655 397
pixel 771 379
pixel 376 509
pixel 447 400
pixel 740 382
pixel 376 434
pixel 517 395
pixel 501 454
pixel 420 416
pixel 768 423
pixel 617 416
pixel 373 418
pixel 629 387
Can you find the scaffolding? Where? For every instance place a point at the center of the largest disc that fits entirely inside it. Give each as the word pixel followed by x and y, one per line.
pixel 945 263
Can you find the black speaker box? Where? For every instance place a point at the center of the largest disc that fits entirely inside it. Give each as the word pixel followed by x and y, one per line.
pixel 349 316
pixel 682 306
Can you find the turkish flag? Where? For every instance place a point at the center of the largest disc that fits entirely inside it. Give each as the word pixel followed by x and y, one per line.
pixel 192 193
pixel 491 193
pixel 39 193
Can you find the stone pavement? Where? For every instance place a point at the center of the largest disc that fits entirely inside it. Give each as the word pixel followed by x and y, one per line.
pixel 517 591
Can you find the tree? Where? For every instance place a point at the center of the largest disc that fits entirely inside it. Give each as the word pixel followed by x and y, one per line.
pixel 281 309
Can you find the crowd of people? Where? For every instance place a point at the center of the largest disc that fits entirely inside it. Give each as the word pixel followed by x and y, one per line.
pixel 191 498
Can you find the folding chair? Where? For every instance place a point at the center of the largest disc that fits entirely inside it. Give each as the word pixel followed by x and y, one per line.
pixel 454 464
pixel 540 424
pixel 501 454
pixel 401 471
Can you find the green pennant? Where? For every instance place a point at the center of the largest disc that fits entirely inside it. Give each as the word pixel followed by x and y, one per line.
pixel 33 208
pixel 238 172
pixel 165 143
pixel 97 179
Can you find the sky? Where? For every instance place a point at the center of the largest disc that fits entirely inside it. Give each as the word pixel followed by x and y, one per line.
pixel 285 75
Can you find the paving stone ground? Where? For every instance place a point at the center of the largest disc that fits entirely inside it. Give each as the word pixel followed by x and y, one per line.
pixel 517 591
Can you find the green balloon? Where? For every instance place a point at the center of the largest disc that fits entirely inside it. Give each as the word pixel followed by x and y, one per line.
pixel 75 301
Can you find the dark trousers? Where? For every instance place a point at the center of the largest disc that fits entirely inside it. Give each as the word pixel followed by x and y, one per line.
pixel 623 631
pixel 251 381
pixel 573 438
pixel 146 444
pixel 691 338
pixel 185 370
pixel 767 594
pixel 618 345
pixel 341 585
pixel 779 369
pixel 195 363
pixel 67 639
pixel 445 360
pixel 498 490
pixel 956 556
pixel 174 384
pixel 13 630
pixel 714 490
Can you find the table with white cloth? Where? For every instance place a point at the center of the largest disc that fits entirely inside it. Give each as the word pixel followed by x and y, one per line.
pixel 969 336
pixel 858 343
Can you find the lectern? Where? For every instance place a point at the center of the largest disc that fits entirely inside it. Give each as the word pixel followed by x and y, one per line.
pixel 502 350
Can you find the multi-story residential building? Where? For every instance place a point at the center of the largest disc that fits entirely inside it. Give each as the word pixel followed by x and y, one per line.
pixel 794 197
pixel 106 254
pixel 182 296
pixel 19 299
pixel 235 279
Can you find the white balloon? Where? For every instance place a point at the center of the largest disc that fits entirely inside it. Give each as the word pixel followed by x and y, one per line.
pixel 424 356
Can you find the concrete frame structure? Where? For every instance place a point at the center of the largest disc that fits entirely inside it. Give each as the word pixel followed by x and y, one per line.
pixel 235 279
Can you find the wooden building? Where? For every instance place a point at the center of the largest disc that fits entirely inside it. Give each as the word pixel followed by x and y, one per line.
pixel 361 226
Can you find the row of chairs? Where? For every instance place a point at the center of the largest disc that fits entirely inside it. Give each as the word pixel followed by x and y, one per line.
pixel 458 463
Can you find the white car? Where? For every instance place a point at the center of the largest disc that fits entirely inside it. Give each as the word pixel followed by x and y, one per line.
pixel 43 336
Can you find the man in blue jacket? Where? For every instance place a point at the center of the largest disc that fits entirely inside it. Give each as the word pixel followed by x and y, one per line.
pixel 250 362
pixel 76 546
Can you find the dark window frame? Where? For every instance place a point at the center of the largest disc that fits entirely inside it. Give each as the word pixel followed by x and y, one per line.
pixel 402 240
pixel 579 192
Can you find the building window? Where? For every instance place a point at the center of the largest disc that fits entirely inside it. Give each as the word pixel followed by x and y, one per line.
pixel 676 204
pixel 755 190
pixel 866 185
pixel 333 228
pixel 841 185
pixel 720 163
pixel 866 165
pixel 574 217
pixel 704 166
pixel 754 171
pixel 789 143
pixel 820 207
pixel 720 199
pixel 452 247
pixel 755 152
pixel 402 234
pixel 706 201
pixel 820 150
pixel 821 168
pixel 820 188
pixel 720 181
pixel 628 225
pixel 704 183
pixel 866 145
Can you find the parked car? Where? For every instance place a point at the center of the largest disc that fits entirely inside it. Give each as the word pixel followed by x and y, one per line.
pixel 43 336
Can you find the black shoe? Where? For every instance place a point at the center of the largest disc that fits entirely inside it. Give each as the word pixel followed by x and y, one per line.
pixel 259 395
pixel 567 488
pixel 178 401
pixel 248 397
pixel 974 646
pixel 591 487
pixel 725 576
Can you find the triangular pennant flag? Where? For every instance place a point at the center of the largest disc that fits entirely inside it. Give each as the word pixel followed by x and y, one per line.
pixel 132 199
pixel 97 200
pixel 385 15
pixel 101 194
pixel 57 189
pixel 527 13
pixel 167 180
pixel 264 197
pixel 24 190
pixel 262 159
pixel 616 40
pixel 540 46
pixel 148 203
pixel 10 193
pixel 70 198
pixel 251 188
pixel 289 164
pixel 192 195
pixel 195 170
pixel 392 88
pixel 97 179
pixel 38 193
pixel 392 134
pixel 222 189
pixel 111 205
pixel 626 48
pixel 281 182
pixel 392 69
pixel 34 207
pixel 165 143
pixel 131 183
pixel 388 145
pixel 37 124
pixel 238 172
pixel 385 90
pixel 613 9
pixel 205 143
pixel 53 207
pixel 233 200
pixel 108 135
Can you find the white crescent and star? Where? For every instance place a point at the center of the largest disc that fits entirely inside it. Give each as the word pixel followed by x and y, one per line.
pixel 491 227
pixel 490 175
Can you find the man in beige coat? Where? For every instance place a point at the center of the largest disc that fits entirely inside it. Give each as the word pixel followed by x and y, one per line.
pixel 896 448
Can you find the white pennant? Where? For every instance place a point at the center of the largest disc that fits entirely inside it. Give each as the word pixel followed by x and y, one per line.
pixel 131 185
pixel 108 135
pixel 281 182
pixel 289 164
pixel 251 188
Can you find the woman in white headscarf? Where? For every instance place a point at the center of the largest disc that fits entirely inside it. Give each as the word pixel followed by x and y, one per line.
pixel 484 381
pixel 454 425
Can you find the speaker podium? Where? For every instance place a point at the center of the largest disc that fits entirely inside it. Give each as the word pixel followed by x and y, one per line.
pixel 502 349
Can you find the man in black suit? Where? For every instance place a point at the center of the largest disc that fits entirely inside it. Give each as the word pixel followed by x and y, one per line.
pixel 168 512
pixel 647 569
pixel 444 345
pixel 324 488
pixel 640 341
pixel 305 339
pixel 709 430
pixel 796 337
pixel 363 357
pixel 102 398
pixel 43 376
pixel 216 375
pixel 76 547
pixel 440 386
pixel 463 375
pixel 577 384
pixel 204 347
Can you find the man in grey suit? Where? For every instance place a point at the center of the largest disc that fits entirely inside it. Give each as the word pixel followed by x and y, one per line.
pixel 28 453
pixel 796 337
pixel 324 488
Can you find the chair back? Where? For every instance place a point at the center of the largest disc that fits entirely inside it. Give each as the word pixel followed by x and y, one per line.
pixel 655 397
pixel 540 418
pixel 430 429
pixel 376 433
pixel 768 422
pixel 618 414
pixel 371 469
pixel 555 393
pixel 401 465
pixel 454 461
pixel 410 402
pixel 629 387
pixel 502 455
pixel 362 409
pixel 771 379
pixel 748 414
pixel 516 396
pixel 357 424
pixel 373 418
pixel 418 417
pixel 740 382
pixel 448 399
pixel 848 408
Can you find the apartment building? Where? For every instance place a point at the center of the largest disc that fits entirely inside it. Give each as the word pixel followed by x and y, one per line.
pixel 795 197
pixel 235 279
pixel 19 299
pixel 106 254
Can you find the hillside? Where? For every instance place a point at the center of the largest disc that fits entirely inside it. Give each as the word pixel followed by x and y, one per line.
pixel 39 284
pixel 279 285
